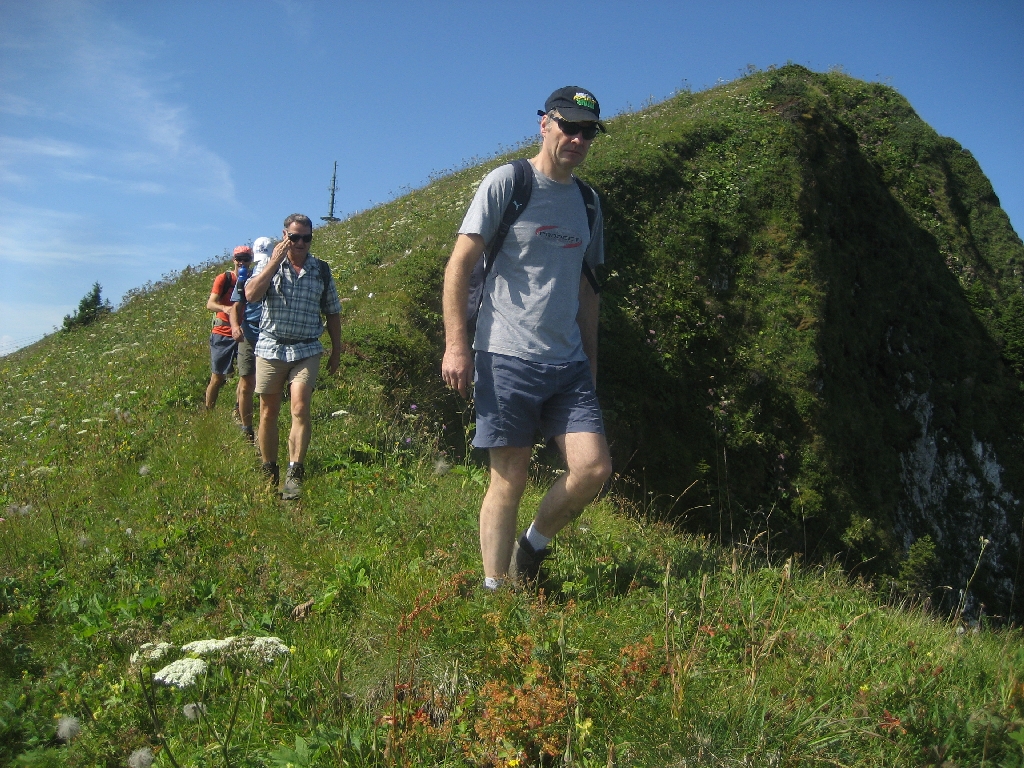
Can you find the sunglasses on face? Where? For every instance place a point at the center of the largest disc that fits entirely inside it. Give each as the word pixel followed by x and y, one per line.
pixel 589 131
pixel 294 238
pixel 243 261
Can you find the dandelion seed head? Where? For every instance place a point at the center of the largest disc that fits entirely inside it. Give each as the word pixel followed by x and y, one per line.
pixel 193 711
pixel 441 467
pixel 144 470
pixel 68 728
pixel 181 673
pixel 141 758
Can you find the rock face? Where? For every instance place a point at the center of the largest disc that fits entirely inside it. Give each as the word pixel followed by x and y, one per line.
pixel 813 308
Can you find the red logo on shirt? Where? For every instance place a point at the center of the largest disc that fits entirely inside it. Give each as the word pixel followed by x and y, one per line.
pixel 560 236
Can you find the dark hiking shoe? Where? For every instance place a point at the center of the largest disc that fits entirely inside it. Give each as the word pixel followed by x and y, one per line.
pixel 249 434
pixel 525 565
pixel 271 472
pixel 293 482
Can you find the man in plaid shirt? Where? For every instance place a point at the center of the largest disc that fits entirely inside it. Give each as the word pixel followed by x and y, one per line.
pixel 296 288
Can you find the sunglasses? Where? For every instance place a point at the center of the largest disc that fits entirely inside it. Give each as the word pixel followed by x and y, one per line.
pixel 243 260
pixel 571 129
pixel 294 238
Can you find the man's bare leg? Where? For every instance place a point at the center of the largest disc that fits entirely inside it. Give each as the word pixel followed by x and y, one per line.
pixel 590 464
pixel 270 407
pixel 213 388
pixel 243 395
pixel 509 472
pixel 298 438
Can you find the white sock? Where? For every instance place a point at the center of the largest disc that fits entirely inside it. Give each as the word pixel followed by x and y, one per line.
pixel 537 539
pixel 492 583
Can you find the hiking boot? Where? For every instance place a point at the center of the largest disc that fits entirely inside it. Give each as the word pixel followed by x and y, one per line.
pixel 249 434
pixel 293 482
pixel 525 565
pixel 271 472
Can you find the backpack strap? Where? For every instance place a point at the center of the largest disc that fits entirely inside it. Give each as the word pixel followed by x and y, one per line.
pixel 227 286
pixel 325 278
pixel 590 201
pixel 522 187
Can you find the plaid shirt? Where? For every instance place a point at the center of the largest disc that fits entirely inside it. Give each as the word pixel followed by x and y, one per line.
pixel 291 325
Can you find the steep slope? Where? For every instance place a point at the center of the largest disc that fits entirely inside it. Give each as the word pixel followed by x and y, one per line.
pixel 813 309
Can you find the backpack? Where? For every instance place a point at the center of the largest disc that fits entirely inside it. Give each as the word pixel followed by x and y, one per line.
pixel 522 187
pixel 229 280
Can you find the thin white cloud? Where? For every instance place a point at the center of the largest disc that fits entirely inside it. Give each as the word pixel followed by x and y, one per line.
pixel 12 148
pixel 70 68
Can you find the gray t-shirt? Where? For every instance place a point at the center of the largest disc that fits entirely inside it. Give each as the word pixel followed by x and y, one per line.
pixel 532 293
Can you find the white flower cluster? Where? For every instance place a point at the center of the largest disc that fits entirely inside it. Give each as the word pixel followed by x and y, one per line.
pixel 208 647
pixel 150 652
pixel 181 673
pixel 260 649
pixel 266 649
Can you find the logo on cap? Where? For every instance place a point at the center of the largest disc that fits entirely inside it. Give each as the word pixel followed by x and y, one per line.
pixel 585 100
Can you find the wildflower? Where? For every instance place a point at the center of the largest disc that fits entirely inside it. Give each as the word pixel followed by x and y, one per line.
pixel 193 711
pixel 208 647
pixel 369 295
pixel 42 471
pixel 127 531
pixel 144 470
pixel 68 728
pixel 266 649
pixel 441 466
pixel 413 407
pixel 151 652
pixel 62 427
pixel 181 673
pixel 141 758
pixel 340 413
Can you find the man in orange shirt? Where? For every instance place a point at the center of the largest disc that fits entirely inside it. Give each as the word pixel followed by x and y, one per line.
pixel 222 344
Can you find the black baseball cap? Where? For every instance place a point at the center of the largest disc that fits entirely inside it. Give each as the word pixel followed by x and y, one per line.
pixel 575 104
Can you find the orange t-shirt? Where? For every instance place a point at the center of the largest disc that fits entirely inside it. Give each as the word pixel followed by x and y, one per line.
pixel 223 286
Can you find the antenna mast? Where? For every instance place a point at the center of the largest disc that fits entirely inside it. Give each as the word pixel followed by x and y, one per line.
pixel 333 188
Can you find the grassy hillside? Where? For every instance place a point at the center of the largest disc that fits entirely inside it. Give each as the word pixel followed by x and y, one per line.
pixel 813 320
pixel 130 517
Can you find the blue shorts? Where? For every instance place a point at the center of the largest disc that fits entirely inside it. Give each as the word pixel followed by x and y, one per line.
pixel 514 398
pixel 222 354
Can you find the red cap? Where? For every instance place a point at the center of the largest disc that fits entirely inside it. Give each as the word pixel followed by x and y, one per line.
pixel 242 250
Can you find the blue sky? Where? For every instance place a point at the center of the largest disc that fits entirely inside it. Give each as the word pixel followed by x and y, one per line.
pixel 136 138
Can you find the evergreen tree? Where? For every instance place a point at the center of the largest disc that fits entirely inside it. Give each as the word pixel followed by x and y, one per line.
pixel 90 308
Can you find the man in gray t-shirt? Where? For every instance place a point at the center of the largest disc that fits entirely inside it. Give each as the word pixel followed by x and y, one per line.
pixel 534 355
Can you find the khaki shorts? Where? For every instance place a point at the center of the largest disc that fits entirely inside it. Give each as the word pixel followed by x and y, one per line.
pixel 271 375
pixel 246 358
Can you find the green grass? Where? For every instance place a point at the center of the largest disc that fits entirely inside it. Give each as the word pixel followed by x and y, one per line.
pixel 132 517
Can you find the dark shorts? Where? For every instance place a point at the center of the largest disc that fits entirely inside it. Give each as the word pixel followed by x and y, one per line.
pixel 222 354
pixel 514 398
pixel 246 358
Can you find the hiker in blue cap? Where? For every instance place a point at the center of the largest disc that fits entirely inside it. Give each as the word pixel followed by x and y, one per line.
pixel 521 316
